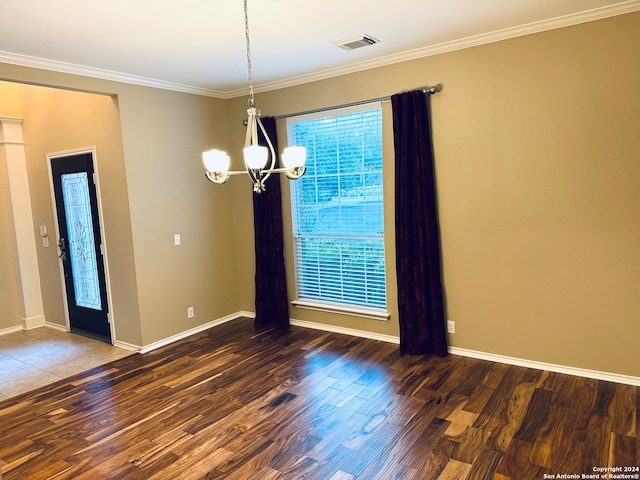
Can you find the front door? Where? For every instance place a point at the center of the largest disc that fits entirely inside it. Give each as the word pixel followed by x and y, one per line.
pixel 80 244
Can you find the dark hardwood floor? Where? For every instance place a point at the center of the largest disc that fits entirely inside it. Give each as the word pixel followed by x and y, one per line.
pixel 233 403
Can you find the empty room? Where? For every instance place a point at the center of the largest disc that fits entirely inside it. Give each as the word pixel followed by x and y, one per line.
pixel 269 239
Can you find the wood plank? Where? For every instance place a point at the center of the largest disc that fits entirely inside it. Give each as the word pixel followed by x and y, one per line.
pixel 485 390
pixel 622 410
pixel 436 460
pixel 548 446
pixel 374 453
pixel 597 443
pixel 485 464
pixel 472 443
pixel 536 415
pixel 515 463
pixel 235 403
pixel 622 451
pixel 517 410
pixel 455 471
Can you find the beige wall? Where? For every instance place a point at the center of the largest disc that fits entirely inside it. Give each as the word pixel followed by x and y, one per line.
pixel 164 135
pixel 148 143
pixel 536 151
pixel 537 179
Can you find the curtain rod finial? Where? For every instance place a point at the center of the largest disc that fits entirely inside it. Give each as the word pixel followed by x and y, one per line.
pixel 433 90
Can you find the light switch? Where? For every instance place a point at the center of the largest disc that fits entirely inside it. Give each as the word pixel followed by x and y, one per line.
pixel 176 239
pixel 43 231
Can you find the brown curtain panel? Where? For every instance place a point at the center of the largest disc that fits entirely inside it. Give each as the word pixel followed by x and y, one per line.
pixel 420 295
pixel 272 306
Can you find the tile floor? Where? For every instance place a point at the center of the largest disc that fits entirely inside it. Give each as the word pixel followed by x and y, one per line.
pixel 33 358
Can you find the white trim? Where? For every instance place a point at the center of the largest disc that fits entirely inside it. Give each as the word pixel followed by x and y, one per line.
pixel 7 331
pixel 127 346
pixel 372 314
pixel 186 333
pixel 580 372
pixel 103 245
pixel 13 161
pixel 345 331
pixel 600 13
pixel 451 46
pixel 33 322
pixel 103 74
pixel 55 326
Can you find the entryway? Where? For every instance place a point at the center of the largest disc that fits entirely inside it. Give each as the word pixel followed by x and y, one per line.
pixel 30 359
pixel 80 244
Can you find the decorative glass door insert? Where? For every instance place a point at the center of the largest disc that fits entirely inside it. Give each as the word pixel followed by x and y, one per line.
pixel 81 242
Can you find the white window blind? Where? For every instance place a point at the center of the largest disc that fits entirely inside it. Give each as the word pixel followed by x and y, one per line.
pixel 337 206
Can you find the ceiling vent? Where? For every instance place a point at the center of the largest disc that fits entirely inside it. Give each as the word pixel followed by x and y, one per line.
pixel 356 42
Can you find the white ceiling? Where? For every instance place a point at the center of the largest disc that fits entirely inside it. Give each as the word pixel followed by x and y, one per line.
pixel 199 45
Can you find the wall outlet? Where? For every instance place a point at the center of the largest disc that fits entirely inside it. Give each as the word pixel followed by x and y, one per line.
pixel 451 326
pixel 190 312
pixel 176 239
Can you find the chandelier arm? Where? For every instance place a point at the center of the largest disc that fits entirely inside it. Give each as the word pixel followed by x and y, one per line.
pixel 266 173
pixel 247 136
pixel 292 173
pixel 236 172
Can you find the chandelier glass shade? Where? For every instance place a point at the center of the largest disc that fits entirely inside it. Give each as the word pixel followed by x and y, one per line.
pixel 259 161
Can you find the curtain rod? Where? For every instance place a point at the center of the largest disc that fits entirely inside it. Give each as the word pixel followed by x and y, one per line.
pixel 426 90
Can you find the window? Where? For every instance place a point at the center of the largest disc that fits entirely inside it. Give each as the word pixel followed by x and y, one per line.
pixel 337 208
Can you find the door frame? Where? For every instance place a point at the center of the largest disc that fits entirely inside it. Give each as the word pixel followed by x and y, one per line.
pixel 68 153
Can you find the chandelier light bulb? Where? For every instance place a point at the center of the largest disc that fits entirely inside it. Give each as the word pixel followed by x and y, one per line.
pixel 294 157
pixel 216 160
pixel 255 156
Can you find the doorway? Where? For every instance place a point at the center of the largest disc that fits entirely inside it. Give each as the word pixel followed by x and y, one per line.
pixel 80 246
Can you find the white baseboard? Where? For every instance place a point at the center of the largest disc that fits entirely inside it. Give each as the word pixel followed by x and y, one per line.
pixel 127 346
pixel 579 372
pixel 185 334
pixel 33 322
pixel 8 330
pixel 55 326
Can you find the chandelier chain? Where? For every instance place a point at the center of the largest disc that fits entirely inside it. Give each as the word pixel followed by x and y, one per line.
pixel 256 157
pixel 248 42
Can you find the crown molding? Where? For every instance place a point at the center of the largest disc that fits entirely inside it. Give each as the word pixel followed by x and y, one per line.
pixel 454 45
pixel 93 72
pixel 622 8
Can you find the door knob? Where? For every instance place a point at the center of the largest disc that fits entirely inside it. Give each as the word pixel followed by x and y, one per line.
pixel 63 249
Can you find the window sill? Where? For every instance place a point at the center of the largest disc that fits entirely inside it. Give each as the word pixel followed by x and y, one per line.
pixel 373 314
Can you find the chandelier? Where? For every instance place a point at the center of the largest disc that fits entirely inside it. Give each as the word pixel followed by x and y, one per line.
pixel 259 161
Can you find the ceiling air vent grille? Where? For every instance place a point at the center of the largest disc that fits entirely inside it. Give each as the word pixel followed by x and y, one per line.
pixel 356 42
